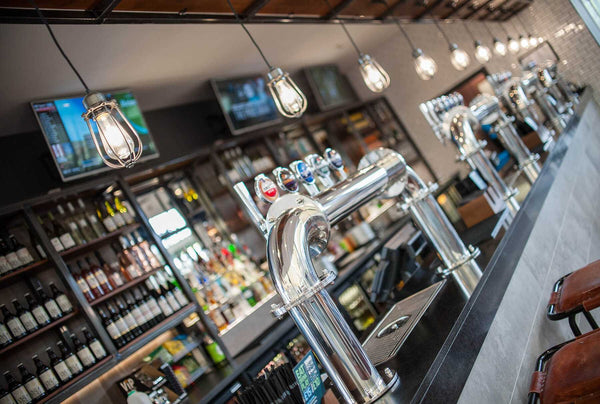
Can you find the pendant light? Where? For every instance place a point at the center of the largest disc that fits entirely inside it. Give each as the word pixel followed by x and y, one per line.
pixel 532 40
pixel 523 40
pixel 289 99
pixel 458 57
pixel 425 66
pixel 483 54
pixel 116 141
pixel 513 44
pixel 499 46
pixel 374 76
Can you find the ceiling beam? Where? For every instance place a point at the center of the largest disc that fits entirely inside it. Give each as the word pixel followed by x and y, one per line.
pixel 514 11
pixel 337 9
pixel 457 9
pixel 254 8
pixel 103 8
pixel 476 9
pixel 491 10
pixel 391 10
pixel 428 9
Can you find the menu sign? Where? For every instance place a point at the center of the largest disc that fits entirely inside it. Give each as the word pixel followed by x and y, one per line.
pixel 309 379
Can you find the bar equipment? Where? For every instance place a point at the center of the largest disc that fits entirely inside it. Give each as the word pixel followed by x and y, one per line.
pixel 451 120
pixel 305 176
pixel 320 167
pixel 538 84
pixel 487 110
pixel 297 228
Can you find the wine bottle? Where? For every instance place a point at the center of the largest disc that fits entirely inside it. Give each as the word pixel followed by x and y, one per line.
pixel 157 314
pixel 86 230
pixel 127 264
pixel 91 280
pixel 122 209
pixel 166 309
pixel 132 325
pixel 71 225
pixel 136 253
pixel 176 290
pixel 120 323
pixel 22 252
pixel 100 276
pixel 64 236
pixel 4 265
pixel 139 253
pixel 145 309
pixel 11 255
pixel 25 316
pixel 6 397
pixel 32 383
pixel 14 325
pixel 85 355
pixel 146 248
pixel 71 360
pixel 137 313
pixel 94 344
pixel 112 329
pixel 83 286
pixel 45 374
pixel 17 390
pixel 115 278
pixel 52 235
pixel 92 219
pixel 35 244
pixel 59 366
pixel 105 218
pixel 118 219
pixel 49 304
pixel 61 298
pixel 5 337
pixel 37 310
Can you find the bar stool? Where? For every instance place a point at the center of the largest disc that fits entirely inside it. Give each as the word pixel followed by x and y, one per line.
pixel 577 292
pixel 568 373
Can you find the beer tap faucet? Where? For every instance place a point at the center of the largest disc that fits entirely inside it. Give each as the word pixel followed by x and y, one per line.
pixel 305 176
pixel 320 167
pixel 333 158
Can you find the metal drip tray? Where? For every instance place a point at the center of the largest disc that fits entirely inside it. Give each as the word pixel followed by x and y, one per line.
pixel 385 340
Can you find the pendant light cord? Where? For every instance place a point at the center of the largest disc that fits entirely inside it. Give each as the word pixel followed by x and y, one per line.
pixel 441 30
pixel 521 22
pixel 505 30
pixel 412 45
pixel 239 20
pixel 468 31
pixel 489 30
pixel 344 28
pixel 45 21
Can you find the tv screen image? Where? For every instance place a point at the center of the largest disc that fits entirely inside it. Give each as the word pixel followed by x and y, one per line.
pixel 246 103
pixel 69 138
pixel 331 88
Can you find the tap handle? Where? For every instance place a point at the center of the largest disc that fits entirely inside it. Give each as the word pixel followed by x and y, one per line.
pixel 305 176
pixel 265 189
pixel 336 163
pixel 320 167
pixel 250 207
pixel 286 180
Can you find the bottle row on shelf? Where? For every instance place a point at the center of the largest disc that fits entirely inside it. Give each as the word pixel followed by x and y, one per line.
pixel 60 369
pixel 41 310
pixel 15 255
pixel 242 166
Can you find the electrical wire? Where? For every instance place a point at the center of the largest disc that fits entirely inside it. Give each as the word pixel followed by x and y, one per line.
pixel 412 45
pixel 469 31
pixel 344 28
pixel 45 21
pixel 441 30
pixel 239 20
pixel 489 30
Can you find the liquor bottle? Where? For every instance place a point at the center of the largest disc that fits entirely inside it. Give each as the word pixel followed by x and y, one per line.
pixel 94 344
pixel 105 218
pixel 92 219
pixel 165 308
pixel 86 230
pixel 45 374
pixel 144 308
pixel 35 244
pixel 173 286
pixel 49 304
pixel 66 239
pixel 59 366
pixel 71 360
pixel 136 252
pixel 14 325
pixel 124 211
pixel 147 249
pixel 32 383
pixel 11 255
pixel 214 351
pixel 100 276
pixel 91 280
pixel 115 278
pixel 61 298
pixel 6 397
pixel 132 325
pixel 71 225
pixel 25 316
pixel 52 235
pixel 39 312
pixel 117 218
pixel 5 337
pixel 4 265
pixel 112 329
pixel 128 265
pixel 22 252
pixel 157 314
pixel 17 390
pixel 83 286
pixel 120 323
pixel 165 291
pixel 85 355
pixel 137 313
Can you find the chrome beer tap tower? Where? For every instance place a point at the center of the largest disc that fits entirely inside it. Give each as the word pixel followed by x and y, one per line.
pixel 451 120
pixel 488 111
pixel 297 228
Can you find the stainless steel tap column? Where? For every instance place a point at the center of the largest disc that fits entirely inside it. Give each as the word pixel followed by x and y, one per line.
pixel 538 92
pixel 487 110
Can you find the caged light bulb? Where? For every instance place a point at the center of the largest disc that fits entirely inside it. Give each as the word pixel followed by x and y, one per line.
pixel 513 45
pixel 425 66
pixel 459 58
pixel 533 41
pixel 524 42
pixel 117 142
pixel 289 99
pixel 483 54
pixel 373 74
pixel 499 47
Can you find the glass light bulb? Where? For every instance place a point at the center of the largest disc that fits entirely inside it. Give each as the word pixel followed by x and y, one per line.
pixel 289 99
pixel 459 58
pixel 483 54
pixel 373 74
pixel 425 66
pixel 533 41
pixel 524 42
pixel 513 45
pixel 499 47
pixel 116 140
pixel 540 40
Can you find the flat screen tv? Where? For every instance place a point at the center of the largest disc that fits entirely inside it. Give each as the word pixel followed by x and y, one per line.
pixel 69 139
pixel 330 87
pixel 246 103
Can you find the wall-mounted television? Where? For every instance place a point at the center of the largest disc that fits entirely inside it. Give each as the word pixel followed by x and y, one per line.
pixel 246 103
pixel 69 139
pixel 329 86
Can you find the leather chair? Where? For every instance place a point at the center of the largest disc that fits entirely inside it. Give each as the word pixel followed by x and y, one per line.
pixel 568 373
pixel 577 292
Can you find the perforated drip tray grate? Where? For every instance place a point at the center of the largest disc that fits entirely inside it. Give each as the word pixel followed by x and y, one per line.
pixel 385 340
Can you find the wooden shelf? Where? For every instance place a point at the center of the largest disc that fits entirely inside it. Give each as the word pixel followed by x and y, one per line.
pixel 11 276
pixel 94 244
pixel 124 287
pixel 38 332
